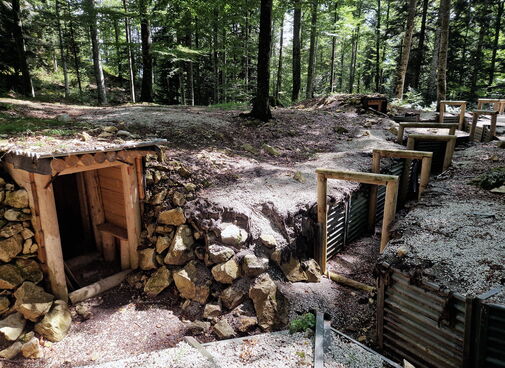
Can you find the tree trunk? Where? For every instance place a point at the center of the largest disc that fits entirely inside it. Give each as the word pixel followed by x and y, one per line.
pixel 118 49
pixel 95 48
pixel 497 28
pixel 62 49
pixel 146 92
pixel 279 67
pixel 224 79
pixel 418 60
pixel 261 105
pixel 130 53
pixel 189 65
pixel 445 10
pixel 477 59
pixel 384 44
pixel 333 51
pixel 309 92
pixel 354 50
pixel 404 58
pixel 377 47
pixel 246 48
pixel 26 79
pixel 215 56
pixel 297 21
pixel 74 52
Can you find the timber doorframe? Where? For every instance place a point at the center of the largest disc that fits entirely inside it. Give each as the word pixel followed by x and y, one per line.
pixel 462 111
pixel 391 183
pixel 475 118
pixel 451 126
pixel 496 102
pixel 449 149
pixel 44 215
pixel 408 155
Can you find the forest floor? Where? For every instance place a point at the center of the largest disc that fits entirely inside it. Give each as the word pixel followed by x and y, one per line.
pixel 238 164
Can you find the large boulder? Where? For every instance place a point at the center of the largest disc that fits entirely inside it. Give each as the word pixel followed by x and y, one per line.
pixel 32 301
pixel 193 281
pixel 293 270
pixel 10 248
pixel 181 249
pixel 263 293
pixel 55 324
pixel 312 270
pixel 253 266
pixel 223 330
pixel 30 270
pixel 172 217
pixel 158 281
pixel 10 277
pixel 233 235
pixel 218 254
pixel 227 272
pixel 146 259
pixel 17 199
pixel 235 294
pixel 12 327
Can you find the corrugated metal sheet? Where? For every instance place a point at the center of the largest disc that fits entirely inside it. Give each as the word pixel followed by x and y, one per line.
pixel 336 228
pixel 422 324
pixel 494 341
pixel 357 224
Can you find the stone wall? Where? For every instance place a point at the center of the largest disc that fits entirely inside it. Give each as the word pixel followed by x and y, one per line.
pixel 218 269
pixel 24 304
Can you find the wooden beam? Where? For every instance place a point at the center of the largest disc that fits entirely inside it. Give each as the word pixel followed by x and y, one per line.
pixel 95 166
pixel 98 287
pixel 372 203
pixel 132 208
pixel 99 157
pixel 51 234
pixel 389 212
pixel 449 150
pixel 108 246
pixel 425 174
pixel 94 196
pixel 397 153
pixel 321 219
pixel 110 156
pixel 362 177
pixel 57 165
pixel 87 159
pixel 116 231
pixel 403 125
pixel 350 282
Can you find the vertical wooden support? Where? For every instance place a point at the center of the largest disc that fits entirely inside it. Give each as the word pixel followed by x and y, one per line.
pixel 449 151
pixel 83 203
pixel 473 127
pixel 492 129
pixel 389 211
pixel 425 175
pixel 321 219
pixel 441 112
pixel 399 136
pixel 132 208
pixel 462 116
pixel 372 203
pixel 51 235
pixel 109 247
pixel 94 195
pixel 124 251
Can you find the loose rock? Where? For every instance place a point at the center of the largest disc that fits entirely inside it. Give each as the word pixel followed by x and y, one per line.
pixel 10 248
pixel 11 351
pixel 12 327
pixel 198 327
pixel 312 270
pixel 172 217
pixel 211 311
pixel 193 282
pixel 263 293
pixel 218 254
pixel 245 323
pixel 227 272
pixel 17 199
pixel 158 281
pixel 55 324
pixel 10 277
pixel 4 304
pixel 268 240
pixel 233 235
pixel 32 349
pixel 146 259
pixel 235 294
pixel 223 330
pixel 11 229
pixel 293 270
pixel 162 243
pixel 32 301
pixel 181 250
pixel 253 266
pixel 30 270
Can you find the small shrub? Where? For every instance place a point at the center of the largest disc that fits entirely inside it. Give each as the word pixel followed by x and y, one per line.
pixel 303 323
pixel 492 179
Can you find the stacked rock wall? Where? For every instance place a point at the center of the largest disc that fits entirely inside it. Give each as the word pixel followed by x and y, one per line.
pixel 24 304
pixel 216 267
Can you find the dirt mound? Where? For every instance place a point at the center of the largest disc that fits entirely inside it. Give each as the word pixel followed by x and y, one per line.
pixel 340 102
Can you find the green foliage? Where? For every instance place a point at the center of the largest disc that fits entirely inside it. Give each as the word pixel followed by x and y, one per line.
pixel 303 323
pixel 16 125
pixel 492 179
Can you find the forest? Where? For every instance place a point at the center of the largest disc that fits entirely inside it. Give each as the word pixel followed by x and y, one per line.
pixel 194 52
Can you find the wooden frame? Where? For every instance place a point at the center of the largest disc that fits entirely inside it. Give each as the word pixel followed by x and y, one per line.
pixel 449 150
pixel 425 158
pixel 391 183
pixel 475 118
pixel 496 102
pixel 462 111
pixel 44 215
pixel 451 126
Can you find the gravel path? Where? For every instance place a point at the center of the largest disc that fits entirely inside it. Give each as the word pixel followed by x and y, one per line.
pixel 270 350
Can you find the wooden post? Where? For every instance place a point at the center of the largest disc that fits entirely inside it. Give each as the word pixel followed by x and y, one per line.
pixel 389 211
pixel 132 208
pixel 124 253
pixel 51 234
pixel 372 203
pixel 425 175
pixel 399 136
pixel 473 127
pixel 492 130
pixel 95 204
pixel 441 112
pixel 321 219
pixel 109 247
pixel 58 165
pixel 462 116
pixel 449 151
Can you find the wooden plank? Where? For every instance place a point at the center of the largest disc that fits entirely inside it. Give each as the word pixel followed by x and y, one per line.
pixel 425 174
pixel 322 213
pixel 87 159
pixel 319 341
pixel 94 197
pixel 392 153
pixel 83 202
pixel 124 253
pixel 362 177
pixel 51 234
pixel 389 212
pixel 114 230
pixel 109 247
pixel 113 184
pixel 372 203
pixel 98 287
pixel 194 343
pixel 132 208
pixel 58 165
pixel 115 219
